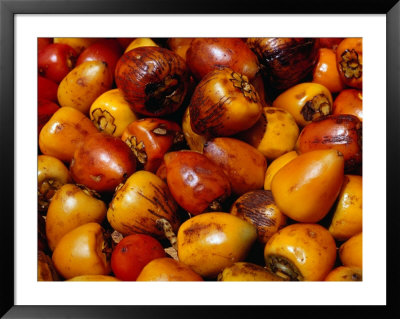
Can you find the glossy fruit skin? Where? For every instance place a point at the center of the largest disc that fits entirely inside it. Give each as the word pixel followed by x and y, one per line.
pixel 259 208
pixel 132 253
pixel 84 84
pixel 349 101
pixel 275 166
pixel 179 45
pixel 306 102
pixel 140 42
pixel 243 164
pixel 72 206
pixel 303 252
pixel 343 273
pixel 210 242
pixel 47 89
pixel 297 189
pixel 224 103
pixel 326 72
pixel 64 132
pixel 285 61
pixel 347 217
pixel 52 174
pixel 195 141
pixel 102 162
pixel 350 252
pixel 80 252
pixel 349 62
pixel 139 203
pixel 78 44
pixel 206 54
pixel 149 139
pixel 46 109
pixel 167 269
pixel 111 113
pixel 153 80
pixel 274 134
pixel 94 278
pixel 195 182
pixel 106 50
pixel 341 132
pixel 245 271
pixel 56 60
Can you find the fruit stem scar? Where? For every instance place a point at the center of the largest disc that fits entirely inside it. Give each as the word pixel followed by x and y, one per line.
pixel 283 267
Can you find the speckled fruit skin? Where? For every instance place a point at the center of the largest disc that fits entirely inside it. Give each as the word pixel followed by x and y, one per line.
pixel 309 248
pixel 209 242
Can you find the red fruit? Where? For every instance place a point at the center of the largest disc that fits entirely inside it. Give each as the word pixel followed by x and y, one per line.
pixel 56 60
pixel 46 109
pixel 47 89
pixel 107 50
pixel 43 42
pixel 102 162
pixel 132 253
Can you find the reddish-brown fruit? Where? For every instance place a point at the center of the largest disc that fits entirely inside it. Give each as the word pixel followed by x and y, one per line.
pixel 207 54
pixel 341 132
pixel 102 162
pixel 196 183
pixel 153 80
pixel 149 139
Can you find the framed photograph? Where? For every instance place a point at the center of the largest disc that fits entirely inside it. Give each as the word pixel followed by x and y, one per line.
pixel 23 22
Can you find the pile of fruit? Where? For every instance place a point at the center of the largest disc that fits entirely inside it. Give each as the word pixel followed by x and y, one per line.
pixel 200 159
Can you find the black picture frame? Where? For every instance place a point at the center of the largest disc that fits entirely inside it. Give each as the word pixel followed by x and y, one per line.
pixel 9 8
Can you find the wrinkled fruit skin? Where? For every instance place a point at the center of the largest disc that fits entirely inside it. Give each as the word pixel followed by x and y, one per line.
pixel 153 80
pixel 224 103
pixel 139 203
pixel 285 61
pixel 259 208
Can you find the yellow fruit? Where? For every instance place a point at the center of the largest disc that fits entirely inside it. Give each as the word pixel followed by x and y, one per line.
pixel 347 218
pixel 275 166
pixel 210 242
pixel 111 113
pixel 245 271
pixel 306 188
